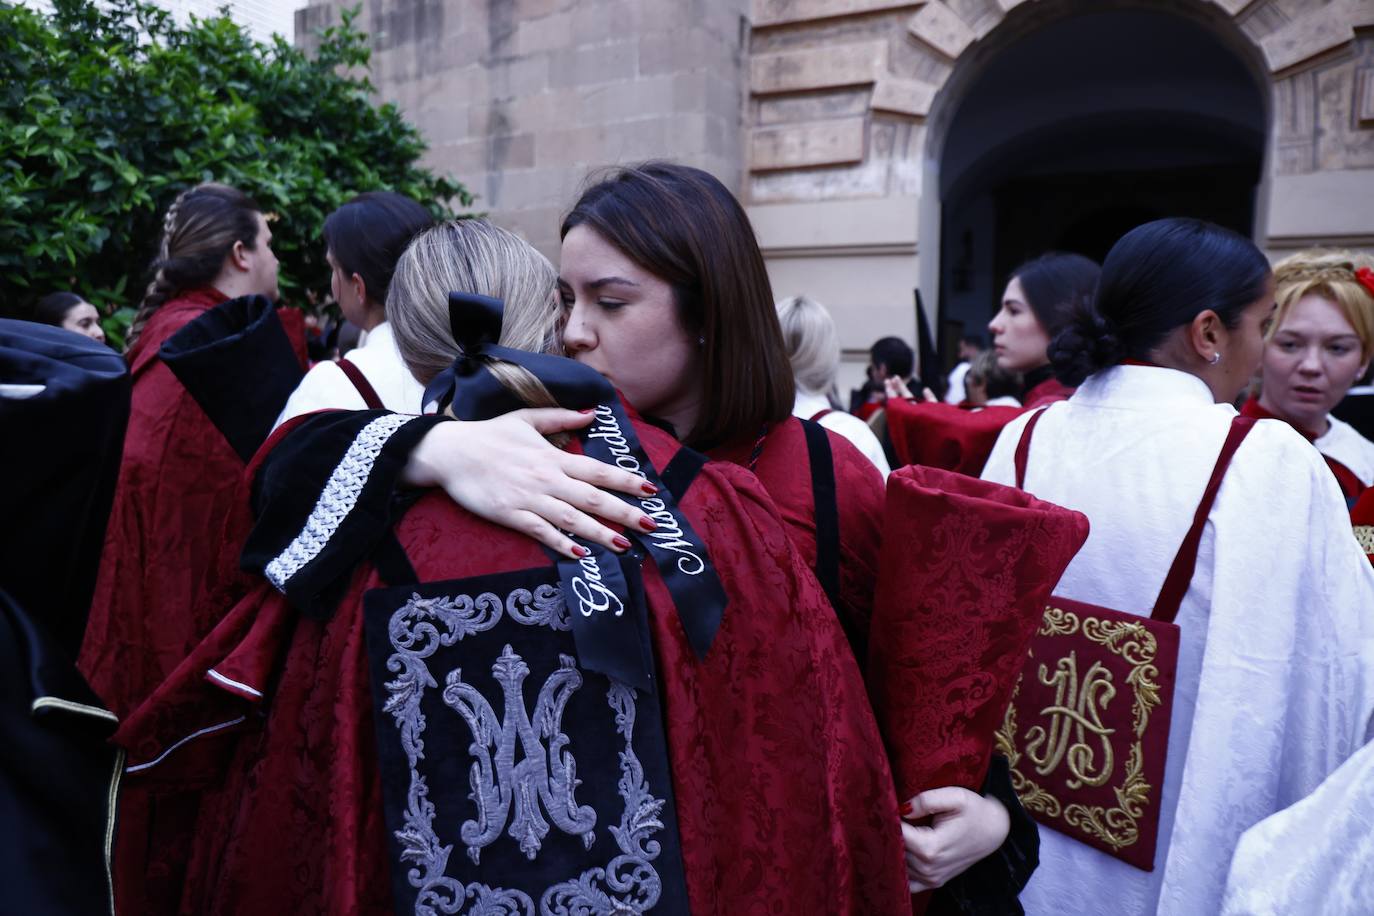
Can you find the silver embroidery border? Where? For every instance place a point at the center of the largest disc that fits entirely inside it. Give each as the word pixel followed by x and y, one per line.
pixel 340 496
pixel 415 634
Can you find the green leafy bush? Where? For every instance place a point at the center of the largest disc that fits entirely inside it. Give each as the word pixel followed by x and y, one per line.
pixel 109 110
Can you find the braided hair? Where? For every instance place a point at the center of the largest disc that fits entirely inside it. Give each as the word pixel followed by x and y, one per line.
pixel 198 232
pixel 1344 278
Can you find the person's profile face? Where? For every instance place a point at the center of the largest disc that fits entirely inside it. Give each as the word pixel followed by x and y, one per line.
pixel 1019 340
pixel 624 322
pixel 263 261
pixel 85 320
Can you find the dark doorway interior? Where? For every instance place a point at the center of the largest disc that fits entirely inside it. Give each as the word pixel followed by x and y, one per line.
pixel 1082 130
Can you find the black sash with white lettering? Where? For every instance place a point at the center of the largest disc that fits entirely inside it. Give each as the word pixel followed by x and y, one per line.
pixel 595 587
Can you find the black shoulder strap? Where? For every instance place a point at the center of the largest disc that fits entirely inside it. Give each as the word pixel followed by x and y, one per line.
pixel 681 471
pixel 826 508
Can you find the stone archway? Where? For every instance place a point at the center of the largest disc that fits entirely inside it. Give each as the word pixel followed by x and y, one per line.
pixel 851 101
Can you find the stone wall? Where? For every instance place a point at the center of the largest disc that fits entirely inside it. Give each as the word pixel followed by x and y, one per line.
pixel 828 117
pixel 849 100
pixel 520 98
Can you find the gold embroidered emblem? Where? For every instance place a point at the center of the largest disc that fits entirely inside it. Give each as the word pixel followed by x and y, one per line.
pixel 1070 732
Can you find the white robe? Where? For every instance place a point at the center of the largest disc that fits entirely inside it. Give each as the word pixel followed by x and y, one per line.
pixel 325 386
pixel 808 403
pixel 1343 443
pixel 1315 858
pixel 1276 669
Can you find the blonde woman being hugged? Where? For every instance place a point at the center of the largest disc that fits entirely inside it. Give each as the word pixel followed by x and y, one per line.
pixel 1272 688
pixel 1319 345
pixel 814 350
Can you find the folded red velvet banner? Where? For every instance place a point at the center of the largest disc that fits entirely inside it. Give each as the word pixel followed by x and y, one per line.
pixel 966 571
pixel 946 436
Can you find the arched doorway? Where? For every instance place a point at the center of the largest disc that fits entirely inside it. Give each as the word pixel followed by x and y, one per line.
pixel 1074 129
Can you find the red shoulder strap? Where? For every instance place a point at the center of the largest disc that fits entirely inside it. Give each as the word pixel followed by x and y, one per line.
pixel 1023 447
pixel 816 417
pixel 355 375
pixel 1181 572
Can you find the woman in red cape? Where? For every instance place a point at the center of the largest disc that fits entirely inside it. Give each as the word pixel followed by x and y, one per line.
pixel 780 793
pixel 179 481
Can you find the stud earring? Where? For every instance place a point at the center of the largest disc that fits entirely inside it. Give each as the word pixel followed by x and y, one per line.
pixel 1216 358
pixel 701 341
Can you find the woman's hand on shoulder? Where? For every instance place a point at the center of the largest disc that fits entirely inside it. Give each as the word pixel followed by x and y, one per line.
pixel 505 471
pixel 957 828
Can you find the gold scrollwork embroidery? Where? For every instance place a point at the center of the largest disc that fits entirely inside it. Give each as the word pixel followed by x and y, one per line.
pixel 1074 716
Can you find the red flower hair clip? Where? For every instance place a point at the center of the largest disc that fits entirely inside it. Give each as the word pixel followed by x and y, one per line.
pixel 1366 278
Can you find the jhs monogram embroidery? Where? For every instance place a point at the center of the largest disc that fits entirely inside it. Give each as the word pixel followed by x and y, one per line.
pixel 1075 714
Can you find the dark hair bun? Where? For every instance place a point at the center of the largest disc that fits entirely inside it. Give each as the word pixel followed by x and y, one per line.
pixel 1089 342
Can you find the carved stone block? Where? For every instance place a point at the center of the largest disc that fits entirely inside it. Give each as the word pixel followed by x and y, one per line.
pixel 805 145
pixel 941 28
pixel 817 68
pixel 1364 101
pixel 782 12
pixel 1306 38
pixel 908 97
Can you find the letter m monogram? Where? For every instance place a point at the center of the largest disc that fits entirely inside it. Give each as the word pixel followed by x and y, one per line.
pixel 543 778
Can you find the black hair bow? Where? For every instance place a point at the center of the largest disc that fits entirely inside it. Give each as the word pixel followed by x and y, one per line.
pixel 476 394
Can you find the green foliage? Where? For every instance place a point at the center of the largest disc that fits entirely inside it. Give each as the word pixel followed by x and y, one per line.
pixel 109 110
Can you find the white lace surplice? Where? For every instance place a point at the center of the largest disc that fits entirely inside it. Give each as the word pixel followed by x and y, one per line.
pixel 1276 664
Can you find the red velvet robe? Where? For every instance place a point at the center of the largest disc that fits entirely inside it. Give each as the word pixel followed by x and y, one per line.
pixel 784 469
pixel 784 797
pixel 168 572
pixel 1046 393
pixel 944 436
pixel 1351 486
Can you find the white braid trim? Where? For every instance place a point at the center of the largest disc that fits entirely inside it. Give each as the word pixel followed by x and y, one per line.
pixel 338 499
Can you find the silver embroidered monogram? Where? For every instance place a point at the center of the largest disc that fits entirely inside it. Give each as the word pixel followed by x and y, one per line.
pixel 545 777
pixel 523 773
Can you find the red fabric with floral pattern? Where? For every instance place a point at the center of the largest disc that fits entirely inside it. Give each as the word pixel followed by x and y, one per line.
pixel 784 798
pixel 967 569
pixel 168 572
pixel 783 466
pixel 944 436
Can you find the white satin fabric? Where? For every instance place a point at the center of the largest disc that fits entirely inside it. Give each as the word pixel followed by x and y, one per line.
pixel 325 386
pixel 1344 444
pixel 1276 665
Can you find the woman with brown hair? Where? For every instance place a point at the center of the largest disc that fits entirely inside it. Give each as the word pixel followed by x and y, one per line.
pixel 665 293
pixel 611 734
pixel 179 476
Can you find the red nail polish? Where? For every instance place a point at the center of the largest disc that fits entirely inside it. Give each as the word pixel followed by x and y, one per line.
pixel 907 810
pixel 580 551
pixel 588 410
pixel 622 542
pixel 649 488
pixel 648 524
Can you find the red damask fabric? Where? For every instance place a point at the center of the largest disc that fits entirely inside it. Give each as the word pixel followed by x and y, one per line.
pixel 168 572
pixel 945 436
pixel 967 568
pixel 784 797
pixel 783 466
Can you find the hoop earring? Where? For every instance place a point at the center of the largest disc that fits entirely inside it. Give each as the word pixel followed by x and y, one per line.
pixel 1216 358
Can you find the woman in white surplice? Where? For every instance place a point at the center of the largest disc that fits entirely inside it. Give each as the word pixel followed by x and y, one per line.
pixel 1274 684
pixel 364 239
